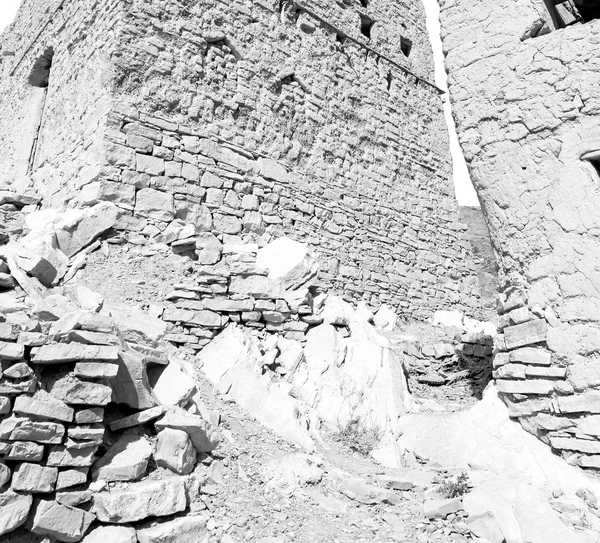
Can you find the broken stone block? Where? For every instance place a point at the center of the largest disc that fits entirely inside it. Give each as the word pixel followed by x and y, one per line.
pixel 36 266
pixel 8 332
pixel 26 451
pixel 96 370
pixel 7 280
pixel 94 222
pixel 88 299
pixel 91 432
pixel 60 353
pixel 34 478
pixel 138 418
pixel 510 371
pixel 32 339
pixel 187 529
pixel 14 509
pixel 71 477
pixel 90 415
pixel 92 338
pixel 585 462
pixel 60 456
pixel 48 409
pixel 528 333
pixel 442 508
pixel 141 500
pixel 11 351
pixel 208 248
pixel 531 355
pixel 4 405
pixel 62 522
pixel 70 389
pixel 204 437
pixel 19 371
pixel 111 534
pixel 174 450
pixel 174 387
pixel 131 385
pixel 126 460
pixel 74 498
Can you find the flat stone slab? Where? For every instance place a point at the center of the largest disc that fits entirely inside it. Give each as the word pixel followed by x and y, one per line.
pixel 96 370
pixel 529 386
pixel 71 477
pixel 70 389
pixel 528 333
pixel 60 353
pixel 111 534
pixel 14 509
pixel 56 410
pixel 138 418
pixel 126 460
pixel 60 456
pixel 34 478
pixel 23 429
pixel 442 508
pixel 11 351
pixel 141 500
pixel 63 522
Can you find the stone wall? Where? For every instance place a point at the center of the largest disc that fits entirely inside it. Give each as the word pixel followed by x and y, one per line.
pixel 526 102
pixel 167 176
pixel 261 119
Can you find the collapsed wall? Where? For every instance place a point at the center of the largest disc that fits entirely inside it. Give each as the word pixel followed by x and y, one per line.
pixel 524 87
pixel 257 120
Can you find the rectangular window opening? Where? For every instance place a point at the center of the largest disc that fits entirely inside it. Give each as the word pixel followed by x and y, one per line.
pixel 405 46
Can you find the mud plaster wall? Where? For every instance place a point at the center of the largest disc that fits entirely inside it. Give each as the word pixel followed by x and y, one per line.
pixel 527 114
pixel 66 123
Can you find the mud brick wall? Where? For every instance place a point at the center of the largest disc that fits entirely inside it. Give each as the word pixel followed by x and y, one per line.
pixel 526 100
pixel 52 134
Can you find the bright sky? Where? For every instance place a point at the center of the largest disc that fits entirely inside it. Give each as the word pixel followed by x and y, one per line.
pixel 7 12
pixel 462 182
pixel 465 193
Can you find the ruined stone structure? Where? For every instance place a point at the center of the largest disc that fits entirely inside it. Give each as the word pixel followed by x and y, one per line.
pixel 524 86
pixel 313 119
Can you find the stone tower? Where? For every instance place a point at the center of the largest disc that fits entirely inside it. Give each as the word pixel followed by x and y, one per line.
pixel 314 119
pixel 524 84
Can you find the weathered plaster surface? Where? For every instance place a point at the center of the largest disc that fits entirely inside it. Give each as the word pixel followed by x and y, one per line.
pixel 527 112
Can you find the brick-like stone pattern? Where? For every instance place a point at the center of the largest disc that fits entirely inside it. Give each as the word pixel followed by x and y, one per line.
pixel 526 103
pixel 69 390
pixel 340 138
pixel 163 172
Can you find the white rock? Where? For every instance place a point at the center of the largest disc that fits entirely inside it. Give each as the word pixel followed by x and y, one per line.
pixel 175 451
pixel 187 529
pixel 174 386
pixel 385 318
pixel 111 534
pixel 286 260
pixel 88 299
pixel 14 509
pixel 126 460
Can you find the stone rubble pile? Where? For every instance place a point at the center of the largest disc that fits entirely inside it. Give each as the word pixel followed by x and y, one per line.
pixel 97 425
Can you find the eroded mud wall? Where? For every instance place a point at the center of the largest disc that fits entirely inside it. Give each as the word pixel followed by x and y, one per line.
pixel 526 101
pixel 50 122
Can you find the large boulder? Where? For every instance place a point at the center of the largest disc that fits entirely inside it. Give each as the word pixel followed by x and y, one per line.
pixel 204 437
pixel 175 451
pixel 288 261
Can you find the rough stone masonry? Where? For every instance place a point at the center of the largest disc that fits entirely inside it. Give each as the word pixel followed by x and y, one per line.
pixel 252 119
pixel 524 85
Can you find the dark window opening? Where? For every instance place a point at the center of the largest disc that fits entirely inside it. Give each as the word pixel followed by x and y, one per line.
pixel 594 159
pixel 364 3
pixel 405 46
pixel 366 25
pixel 589 9
pixel 40 74
pixel 564 12
pixel 389 80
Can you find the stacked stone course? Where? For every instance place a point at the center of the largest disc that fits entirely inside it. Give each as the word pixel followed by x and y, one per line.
pixel 283 118
pixel 70 461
